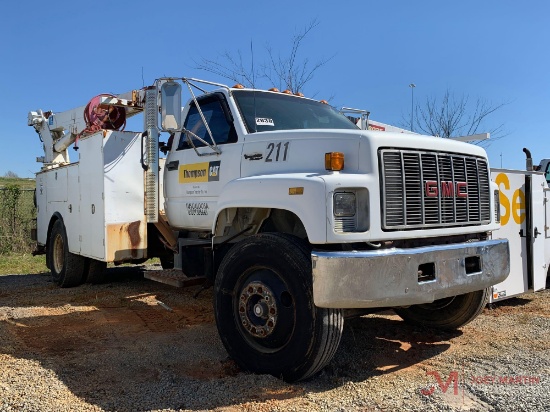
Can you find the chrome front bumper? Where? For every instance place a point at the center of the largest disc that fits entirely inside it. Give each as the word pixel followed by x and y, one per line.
pixel 396 277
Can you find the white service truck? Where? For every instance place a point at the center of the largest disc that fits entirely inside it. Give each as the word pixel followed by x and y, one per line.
pixel 295 214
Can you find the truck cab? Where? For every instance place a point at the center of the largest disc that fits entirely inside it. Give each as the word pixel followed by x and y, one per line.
pixel 247 146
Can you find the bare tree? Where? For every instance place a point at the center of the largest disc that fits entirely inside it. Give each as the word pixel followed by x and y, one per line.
pixel 454 116
pixel 232 67
pixel 287 71
pixel 11 174
pixel 284 71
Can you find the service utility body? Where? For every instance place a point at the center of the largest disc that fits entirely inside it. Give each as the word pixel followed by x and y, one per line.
pixel 297 216
pixel 525 220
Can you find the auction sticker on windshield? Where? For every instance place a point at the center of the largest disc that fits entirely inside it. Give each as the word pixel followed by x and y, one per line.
pixel 264 121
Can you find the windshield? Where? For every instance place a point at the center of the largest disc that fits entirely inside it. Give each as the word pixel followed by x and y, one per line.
pixel 264 112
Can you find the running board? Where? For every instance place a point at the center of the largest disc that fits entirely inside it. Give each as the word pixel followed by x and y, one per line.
pixel 173 277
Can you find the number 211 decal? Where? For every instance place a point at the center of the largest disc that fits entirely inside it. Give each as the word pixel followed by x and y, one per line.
pixel 277 152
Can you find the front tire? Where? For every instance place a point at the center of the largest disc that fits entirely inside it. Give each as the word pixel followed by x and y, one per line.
pixel 67 269
pixel 448 313
pixel 263 303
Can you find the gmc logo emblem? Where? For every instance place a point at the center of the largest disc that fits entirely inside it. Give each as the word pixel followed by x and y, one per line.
pixel 446 189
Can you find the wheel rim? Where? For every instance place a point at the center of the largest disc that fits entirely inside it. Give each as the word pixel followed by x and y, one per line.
pixel 265 310
pixel 58 254
pixel 258 310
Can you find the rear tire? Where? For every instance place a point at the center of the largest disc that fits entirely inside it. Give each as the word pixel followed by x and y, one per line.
pixel 67 269
pixel 448 313
pixel 263 303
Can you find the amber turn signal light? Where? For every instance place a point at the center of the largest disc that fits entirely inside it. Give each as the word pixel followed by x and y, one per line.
pixel 334 161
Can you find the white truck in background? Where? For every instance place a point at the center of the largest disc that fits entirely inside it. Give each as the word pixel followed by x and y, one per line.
pixel 525 220
pixel 295 214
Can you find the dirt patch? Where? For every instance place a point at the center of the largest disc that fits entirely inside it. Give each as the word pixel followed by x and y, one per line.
pixel 133 344
pixel 207 369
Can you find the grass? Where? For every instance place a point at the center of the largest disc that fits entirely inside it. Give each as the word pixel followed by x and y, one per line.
pixel 22 183
pixel 17 212
pixel 22 263
pixel 25 263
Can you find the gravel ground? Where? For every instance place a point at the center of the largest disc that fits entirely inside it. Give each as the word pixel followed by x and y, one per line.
pixel 114 347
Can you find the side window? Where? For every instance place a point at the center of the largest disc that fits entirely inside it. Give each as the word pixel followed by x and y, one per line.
pixel 222 130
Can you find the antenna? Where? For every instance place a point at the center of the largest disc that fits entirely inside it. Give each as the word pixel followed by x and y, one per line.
pixel 253 84
pixel 253 73
pixel 142 79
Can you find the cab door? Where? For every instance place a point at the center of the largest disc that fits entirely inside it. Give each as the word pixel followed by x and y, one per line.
pixel 195 174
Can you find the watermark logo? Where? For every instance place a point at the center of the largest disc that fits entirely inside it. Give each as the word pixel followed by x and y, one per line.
pixel 444 386
pixel 453 381
pixel 505 380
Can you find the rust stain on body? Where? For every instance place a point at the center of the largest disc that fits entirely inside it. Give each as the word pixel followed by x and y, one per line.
pixel 126 241
pixel 133 233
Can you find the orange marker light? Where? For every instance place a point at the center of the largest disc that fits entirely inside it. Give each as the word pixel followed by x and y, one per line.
pixel 296 190
pixel 286 91
pixel 238 86
pixel 299 94
pixel 323 101
pixel 334 161
pixel 273 89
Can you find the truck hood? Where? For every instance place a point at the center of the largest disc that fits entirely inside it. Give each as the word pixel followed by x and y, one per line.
pixel 377 139
pixel 305 149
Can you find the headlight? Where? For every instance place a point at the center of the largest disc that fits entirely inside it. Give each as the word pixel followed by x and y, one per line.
pixel 344 204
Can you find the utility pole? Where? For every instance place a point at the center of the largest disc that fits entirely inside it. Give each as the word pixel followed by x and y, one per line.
pixel 412 86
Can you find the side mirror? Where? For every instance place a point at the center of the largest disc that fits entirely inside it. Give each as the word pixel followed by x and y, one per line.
pixel 170 95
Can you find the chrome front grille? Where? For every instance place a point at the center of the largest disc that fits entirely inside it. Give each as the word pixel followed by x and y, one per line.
pixel 432 189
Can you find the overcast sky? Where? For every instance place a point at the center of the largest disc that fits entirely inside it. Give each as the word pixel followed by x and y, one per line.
pixel 57 55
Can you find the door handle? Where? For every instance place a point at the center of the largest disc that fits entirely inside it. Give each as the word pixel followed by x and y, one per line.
pixel 173 165
pixel 255 156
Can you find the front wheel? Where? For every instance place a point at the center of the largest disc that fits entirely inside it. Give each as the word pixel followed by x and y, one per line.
pixel 263 302
pixel 67 268
pixel 448 313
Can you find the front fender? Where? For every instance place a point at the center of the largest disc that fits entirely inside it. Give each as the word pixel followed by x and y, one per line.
pixel 273 192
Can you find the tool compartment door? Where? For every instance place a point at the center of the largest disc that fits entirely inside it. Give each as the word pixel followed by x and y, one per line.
pixel 92 210
pixel 125 221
